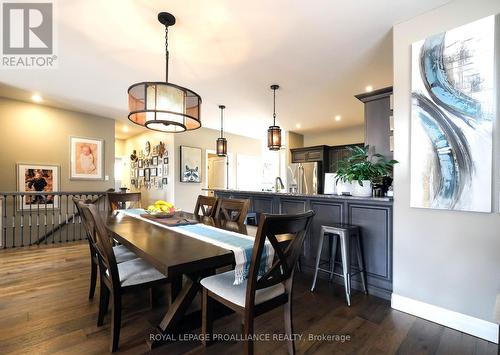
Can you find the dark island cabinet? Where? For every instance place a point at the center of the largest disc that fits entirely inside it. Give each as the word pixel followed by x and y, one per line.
pixel 373 215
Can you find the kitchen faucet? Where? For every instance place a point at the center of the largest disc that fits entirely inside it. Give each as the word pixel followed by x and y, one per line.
pixel 278 185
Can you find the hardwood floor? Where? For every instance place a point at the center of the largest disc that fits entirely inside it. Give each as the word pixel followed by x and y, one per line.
pixel 44 310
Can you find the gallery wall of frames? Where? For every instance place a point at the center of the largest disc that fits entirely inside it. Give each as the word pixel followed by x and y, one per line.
pixel 149 167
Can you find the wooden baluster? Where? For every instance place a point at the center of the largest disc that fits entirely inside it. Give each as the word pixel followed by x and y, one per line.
pixel 14 223
pixel 22 221
pixel 38 224
pixel 4 222
pixel 29 222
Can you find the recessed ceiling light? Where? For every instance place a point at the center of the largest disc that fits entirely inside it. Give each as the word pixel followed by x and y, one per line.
pixel 125 129
pixel 298 125
pixel 338 118
pixel 36 98
pixel 369 88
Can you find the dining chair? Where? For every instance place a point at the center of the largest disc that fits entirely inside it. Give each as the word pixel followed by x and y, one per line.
pixel 121 252
pixel 207 205
pixel 117 278
pixel 118 200
pixel 260 294
pixel 234 210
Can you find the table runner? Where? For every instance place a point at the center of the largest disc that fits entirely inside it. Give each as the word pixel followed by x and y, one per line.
pixel 240 244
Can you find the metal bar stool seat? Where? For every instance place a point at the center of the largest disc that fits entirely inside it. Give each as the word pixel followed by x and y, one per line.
pixel 345 233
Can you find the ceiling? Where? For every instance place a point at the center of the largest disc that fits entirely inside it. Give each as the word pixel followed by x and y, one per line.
pixel 321 53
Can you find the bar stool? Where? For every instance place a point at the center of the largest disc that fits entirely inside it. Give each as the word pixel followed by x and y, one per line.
pixel 344 232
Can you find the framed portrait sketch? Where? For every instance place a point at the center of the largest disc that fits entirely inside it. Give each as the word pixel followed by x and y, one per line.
pixel 190 159
pixel 147 174
pixel 86 158
pixel 37 178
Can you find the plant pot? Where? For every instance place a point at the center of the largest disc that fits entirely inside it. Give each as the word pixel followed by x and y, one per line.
pixel 362 191
pixel 344 187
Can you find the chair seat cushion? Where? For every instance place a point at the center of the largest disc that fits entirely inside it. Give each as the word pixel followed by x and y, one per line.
pixel 123 254
pixel 137 271
pixel 222 285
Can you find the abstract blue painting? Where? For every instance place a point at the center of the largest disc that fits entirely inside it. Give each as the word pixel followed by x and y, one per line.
pixel 452 118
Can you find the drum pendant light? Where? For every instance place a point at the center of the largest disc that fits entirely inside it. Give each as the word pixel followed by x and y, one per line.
pixel 221 141
pixel 163 106
pixel 274 132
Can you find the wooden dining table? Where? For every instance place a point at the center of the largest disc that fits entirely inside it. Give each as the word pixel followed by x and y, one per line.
pixel 182 259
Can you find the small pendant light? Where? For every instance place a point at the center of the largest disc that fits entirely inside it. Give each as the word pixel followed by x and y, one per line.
pixel 274 132
pixel 221 141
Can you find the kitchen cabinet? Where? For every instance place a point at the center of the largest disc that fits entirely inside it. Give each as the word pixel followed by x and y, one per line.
pixel 378 112
pixel 338 153
pixel 310 154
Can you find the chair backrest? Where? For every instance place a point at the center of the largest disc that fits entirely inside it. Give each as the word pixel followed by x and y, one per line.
pixel 87 224
pixel 118 200
pixel 207 205
pixel 286 255
pixel 233 210
pixel 107 261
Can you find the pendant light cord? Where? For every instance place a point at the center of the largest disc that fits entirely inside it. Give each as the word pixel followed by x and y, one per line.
pixel 221 122
pixel 274 107
pixel 166 54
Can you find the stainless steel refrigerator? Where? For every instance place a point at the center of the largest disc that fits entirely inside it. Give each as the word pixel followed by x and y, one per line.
pixel 305 178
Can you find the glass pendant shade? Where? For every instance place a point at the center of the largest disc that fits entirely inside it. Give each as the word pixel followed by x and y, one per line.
pixel 221 147
pixel 274 138
pixel 164 107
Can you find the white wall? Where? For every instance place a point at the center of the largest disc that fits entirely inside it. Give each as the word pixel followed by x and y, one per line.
pixel 349 135
pixel 442 258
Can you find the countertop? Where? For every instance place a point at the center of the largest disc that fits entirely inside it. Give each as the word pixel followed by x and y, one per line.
pixel 374 199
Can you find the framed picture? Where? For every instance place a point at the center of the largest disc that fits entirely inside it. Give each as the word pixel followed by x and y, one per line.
pixel 453 110
pixel 154 160
pixel 38 178
pixel 164 181
pixel 140 164
pixel 160 170
pixel 141 172
pixel 165 160
pixel 147 175
pixel 86 158
pixel 190 159
pixel 154 171
pixel 165 170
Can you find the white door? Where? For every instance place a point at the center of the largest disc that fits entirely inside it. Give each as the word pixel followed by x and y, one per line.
pixel 217 173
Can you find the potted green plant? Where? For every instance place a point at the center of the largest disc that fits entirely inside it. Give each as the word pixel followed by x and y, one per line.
pixel 361 169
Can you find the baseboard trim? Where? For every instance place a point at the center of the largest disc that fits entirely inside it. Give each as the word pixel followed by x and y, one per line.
pixel 461 322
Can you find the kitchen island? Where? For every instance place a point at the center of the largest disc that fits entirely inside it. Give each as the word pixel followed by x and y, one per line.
pixel 372 214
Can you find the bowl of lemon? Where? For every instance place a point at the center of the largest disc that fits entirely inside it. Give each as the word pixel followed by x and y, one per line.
pixel 162 209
